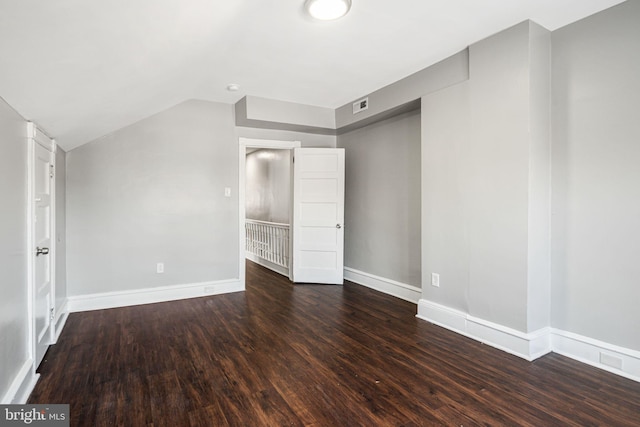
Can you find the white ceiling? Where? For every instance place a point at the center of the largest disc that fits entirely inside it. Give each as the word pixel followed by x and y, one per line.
pixel 84 68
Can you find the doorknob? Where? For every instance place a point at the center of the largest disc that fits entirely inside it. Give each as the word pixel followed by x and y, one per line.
pixel 42 251
pixel 338 226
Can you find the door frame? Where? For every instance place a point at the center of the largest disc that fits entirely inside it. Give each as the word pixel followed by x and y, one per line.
pixel 243 144
pixel 36 136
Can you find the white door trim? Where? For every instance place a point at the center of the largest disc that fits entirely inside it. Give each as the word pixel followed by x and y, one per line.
pixel 243 144
pixel 36 136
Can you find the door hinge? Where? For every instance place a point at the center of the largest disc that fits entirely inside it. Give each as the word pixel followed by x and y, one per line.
pixel 53 314
pixel 51 171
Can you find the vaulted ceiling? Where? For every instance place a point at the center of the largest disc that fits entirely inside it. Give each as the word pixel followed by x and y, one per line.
pixel 84 68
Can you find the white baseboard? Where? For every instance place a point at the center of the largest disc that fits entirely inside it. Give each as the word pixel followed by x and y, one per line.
pixel 593 352
pixel 618 360
pixel 387 286
pixel 107 300
pixel 22 385
pixel 61 319
pixel 267 264
pixel 59 326
pixel 527 346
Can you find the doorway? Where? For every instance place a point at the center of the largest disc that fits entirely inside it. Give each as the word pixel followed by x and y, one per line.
pixel 268 208
pixel 317 211
pixel 255 144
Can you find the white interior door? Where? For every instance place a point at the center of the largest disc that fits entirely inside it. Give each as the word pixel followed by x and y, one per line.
pixel 318 215
pixel 42 236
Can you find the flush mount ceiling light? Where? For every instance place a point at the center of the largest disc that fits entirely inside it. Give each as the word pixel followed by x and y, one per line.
pixel 232 87
pixel 327 10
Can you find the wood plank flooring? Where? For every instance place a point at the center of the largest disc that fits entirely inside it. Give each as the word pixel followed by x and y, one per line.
pixel 310 355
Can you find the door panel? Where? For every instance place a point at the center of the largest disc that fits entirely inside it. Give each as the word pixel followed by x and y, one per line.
pixel 319 236
pixel 318 260
pixel 43 163
pixel 318 215
pixel 320 188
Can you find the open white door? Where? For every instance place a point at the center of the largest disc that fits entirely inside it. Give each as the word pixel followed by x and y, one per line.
pixel 42 243
pixel 318 215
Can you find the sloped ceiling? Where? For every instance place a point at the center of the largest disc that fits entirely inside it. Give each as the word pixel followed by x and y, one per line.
pixel 84 68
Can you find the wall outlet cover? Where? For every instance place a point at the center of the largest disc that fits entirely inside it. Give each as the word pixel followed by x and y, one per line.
pixel 435 280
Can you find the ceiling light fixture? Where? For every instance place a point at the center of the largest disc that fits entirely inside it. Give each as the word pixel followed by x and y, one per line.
pixel 232 87
pixel 327 10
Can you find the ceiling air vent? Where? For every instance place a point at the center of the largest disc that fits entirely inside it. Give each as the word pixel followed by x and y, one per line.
pixel 361 105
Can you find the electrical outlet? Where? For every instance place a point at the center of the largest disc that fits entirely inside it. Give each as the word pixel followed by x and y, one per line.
pixel 160 268
pixel 435 280
pixel 227 192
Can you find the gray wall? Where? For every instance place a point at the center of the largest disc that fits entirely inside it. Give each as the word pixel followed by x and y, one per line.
pixel 272 114
pixel 596 176
pixel 539 232
pixel 306 139
pixel 154 192
pixel 478 185
pixel 268 185
pixel 61 228
pixel 14 322
pixel 446 129
pixel 382 198
pixel 445 73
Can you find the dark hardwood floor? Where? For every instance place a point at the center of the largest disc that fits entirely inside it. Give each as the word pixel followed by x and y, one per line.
pixel 310 355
